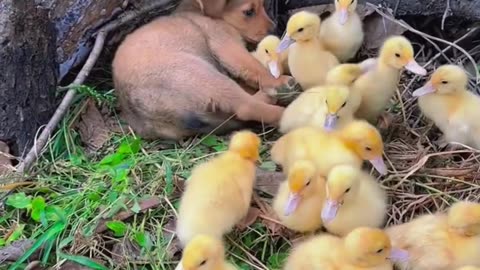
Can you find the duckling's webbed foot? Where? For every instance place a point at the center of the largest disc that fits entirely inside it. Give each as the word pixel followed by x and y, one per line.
pixel 288 92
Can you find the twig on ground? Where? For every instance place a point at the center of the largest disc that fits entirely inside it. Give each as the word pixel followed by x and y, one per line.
pixel 40 143
pixel 445 15
pixel 250 256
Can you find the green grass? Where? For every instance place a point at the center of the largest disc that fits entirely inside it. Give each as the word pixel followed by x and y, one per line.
pixel 75 191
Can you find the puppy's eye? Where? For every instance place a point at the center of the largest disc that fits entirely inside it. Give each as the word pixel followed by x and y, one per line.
pixel 368 148
pixel 249 12
pixel 348 190
pixel 444 82
pixel 397 55
pixel 300 30
pixel 344 104
pixel 380 250
pixel 203 263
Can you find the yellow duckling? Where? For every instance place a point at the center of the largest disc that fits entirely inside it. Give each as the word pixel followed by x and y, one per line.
pixel 342 32
pixel 352 144
pixel 331 106
pixel 327 107
pixel 266 53
pixel 354 199
pixel 441 241
pixel 299 199
pixel 363 248
pixel 204 253
pixel 446 100
pixel 308 60
pixel 218 192
pixel 378 86
pixel 347 74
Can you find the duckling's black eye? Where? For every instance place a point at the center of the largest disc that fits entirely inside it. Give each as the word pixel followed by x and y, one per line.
pixel 344 104
pixel 249 12
pixel 444 82
pixel 368 148
pixel 352 2
pixel 397 55
pixel 348 190
pixel 308 183
pixel 300 30
pixel 203 263
pixel 266 50
pixel 380 250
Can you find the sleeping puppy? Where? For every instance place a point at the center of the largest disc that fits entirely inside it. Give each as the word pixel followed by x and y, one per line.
pixel 173 76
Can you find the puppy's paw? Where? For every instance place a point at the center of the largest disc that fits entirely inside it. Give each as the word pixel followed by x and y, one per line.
pixel 267 95
pixel 288 91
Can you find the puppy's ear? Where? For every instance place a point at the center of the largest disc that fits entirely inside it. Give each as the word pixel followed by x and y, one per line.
pixel 212 8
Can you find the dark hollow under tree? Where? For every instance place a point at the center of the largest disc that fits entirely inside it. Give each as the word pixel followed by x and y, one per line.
pixel 28 72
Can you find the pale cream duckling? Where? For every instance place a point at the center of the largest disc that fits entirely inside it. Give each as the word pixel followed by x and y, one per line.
pixel 352 144
pixel 442 241
pixel 447 102
pixel 266 53
pixel 378 86
pixel 362 249
pixel 308 60
pixel 354 199
pixel 300 197
pixel 342 32
pixel 204 253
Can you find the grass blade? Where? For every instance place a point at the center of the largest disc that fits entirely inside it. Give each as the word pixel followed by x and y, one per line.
pixel 47 250
pixel 83 261
pixel 49 234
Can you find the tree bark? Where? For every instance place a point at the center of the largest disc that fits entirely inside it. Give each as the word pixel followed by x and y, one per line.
pixel 28 72
pixel 76 21
pixel 467 9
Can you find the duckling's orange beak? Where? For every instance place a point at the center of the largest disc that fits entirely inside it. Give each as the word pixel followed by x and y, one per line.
pixel 414 67
pixel 330 122
pixel 285 43
pixel 330 210
pixel 399 255
pixel 343 16
pixel 274 68
pixel 379 165
pixel 428 88
pixel 293 201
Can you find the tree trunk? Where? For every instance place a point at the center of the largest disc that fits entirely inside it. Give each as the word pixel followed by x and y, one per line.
pixel 467 9
pixel 28 72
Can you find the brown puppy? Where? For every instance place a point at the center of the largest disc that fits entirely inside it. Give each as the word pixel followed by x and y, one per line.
pixel 172 75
